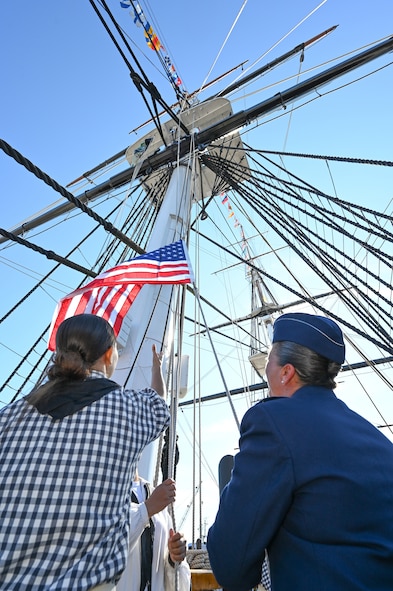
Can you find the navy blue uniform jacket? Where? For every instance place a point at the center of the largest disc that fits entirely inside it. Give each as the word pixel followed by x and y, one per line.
pixel 312 483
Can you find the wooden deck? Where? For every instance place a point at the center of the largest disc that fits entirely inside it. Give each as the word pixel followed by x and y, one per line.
pixel 203 580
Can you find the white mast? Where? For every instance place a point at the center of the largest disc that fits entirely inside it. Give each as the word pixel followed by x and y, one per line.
pixel 152 317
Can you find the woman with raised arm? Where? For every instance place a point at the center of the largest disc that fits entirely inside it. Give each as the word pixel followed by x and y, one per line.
pixel 68 452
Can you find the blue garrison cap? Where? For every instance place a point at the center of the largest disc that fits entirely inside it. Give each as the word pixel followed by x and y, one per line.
pixel 318 333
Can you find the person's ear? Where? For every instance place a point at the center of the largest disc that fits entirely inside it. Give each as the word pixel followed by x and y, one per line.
pixel 287 373
pixel 108 356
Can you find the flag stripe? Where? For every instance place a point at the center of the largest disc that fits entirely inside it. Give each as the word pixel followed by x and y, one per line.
pixel 111 294
pixel 113 304
pixel 147 273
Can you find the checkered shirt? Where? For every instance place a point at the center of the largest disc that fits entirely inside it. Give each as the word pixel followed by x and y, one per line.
pixel 65 489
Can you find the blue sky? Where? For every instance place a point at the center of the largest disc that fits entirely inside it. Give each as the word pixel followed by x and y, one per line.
pixel 68 102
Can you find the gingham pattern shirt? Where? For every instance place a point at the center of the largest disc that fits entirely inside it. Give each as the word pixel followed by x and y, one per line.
pixel 65 489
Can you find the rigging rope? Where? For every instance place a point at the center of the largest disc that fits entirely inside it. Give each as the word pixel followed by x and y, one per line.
pixel 223 45
pixel 135 77
pixel 101 264
pixel 311 300
pixel 268 211
pixel 330 158
pixel 17 156
pixel 48 253
pixel 22 361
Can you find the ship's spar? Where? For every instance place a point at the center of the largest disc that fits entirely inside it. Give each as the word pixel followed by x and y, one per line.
pixel 169 155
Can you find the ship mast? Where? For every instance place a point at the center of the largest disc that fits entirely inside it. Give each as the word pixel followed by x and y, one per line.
pixel 156 312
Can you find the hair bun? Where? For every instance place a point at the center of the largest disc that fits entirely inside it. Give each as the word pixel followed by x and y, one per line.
pixel 69 364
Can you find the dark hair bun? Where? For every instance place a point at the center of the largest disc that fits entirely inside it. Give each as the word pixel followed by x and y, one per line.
pixel 68 365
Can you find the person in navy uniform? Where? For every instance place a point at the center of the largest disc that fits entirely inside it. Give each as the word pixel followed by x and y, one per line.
pixel 312 483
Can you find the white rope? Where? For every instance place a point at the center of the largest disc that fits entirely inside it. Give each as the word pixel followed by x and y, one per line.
pixel 217 361
pixel 222 47
pixel 278 42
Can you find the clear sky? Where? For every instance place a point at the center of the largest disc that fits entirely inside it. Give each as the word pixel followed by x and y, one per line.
pixel 68 102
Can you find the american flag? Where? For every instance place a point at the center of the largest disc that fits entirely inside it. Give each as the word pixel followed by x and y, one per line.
pixel 111 294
